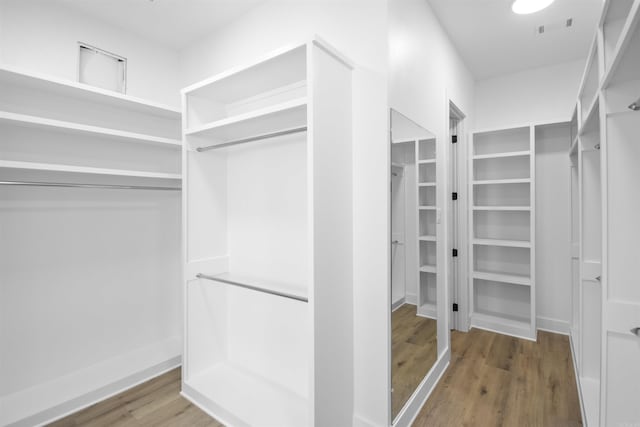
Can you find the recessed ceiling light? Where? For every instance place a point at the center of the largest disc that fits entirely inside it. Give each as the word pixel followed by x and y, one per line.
pixel 523 7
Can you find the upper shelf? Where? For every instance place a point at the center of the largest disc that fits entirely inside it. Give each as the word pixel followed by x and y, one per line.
pixel 35 122
pixel 51 167
pixel 287 115
pixel 624 60
pixel 39 82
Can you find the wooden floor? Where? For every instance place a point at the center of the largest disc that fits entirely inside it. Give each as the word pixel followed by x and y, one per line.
pixel 493 380
pixel 496 380
pixel 414 350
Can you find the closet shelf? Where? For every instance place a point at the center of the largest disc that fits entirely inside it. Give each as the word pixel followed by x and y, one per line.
pixel 503 278
pixel 502 155
pixel 427 184
pixel 428 238
pixel 500 322
pixel 624 67
pixel 260 285
pixel 287 115
pixel 428 269
pixel 427 208
pixel 35 122
pixel 42 83
pixel 503 208
pixel 504 243
pixel 503 181
pixel 427 309
pixel 427 162
pixel 251 399
pixel 10 164
pixel 592 121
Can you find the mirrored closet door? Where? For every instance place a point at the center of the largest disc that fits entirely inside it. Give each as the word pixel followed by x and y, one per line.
pixel 414 347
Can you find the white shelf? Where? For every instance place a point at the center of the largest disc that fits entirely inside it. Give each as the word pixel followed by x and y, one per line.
pixel 427 208
pixel 39 82
pixel 503 278
pixel 428 310
pixel 502 323
pixel 427 184
pixel 427 238
pixel 428 269
pixel 298 291
pixel 592 120
pixel 34 122
pixel 10 164
pixel 287 115
pixel 503 181
pixel 502 155
pixel 427 162
pixel 251 399
pixel 503 208
pixel 504 243
pixel 625 64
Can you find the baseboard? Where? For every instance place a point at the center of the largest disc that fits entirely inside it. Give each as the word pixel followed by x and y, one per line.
pixel 209 407
pixel 575 371
pixel 399 303
pixel 552 325
pixel 411 299
pixel 56 399
pixel 412 408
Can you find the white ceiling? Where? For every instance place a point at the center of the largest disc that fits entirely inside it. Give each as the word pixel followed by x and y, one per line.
pixel 493 40
pixel 174 23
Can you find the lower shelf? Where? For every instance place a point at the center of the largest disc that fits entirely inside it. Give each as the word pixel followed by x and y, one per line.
pixel 238 397
pixel 503 324
pixel 428 310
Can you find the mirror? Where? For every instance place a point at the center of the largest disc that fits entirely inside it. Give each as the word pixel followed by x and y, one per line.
pixel 413 257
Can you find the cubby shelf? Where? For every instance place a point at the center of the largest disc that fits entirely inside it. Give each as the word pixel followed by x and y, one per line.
pixel 504 243
pixel 428 269
pixel 286 115
pixel 427 238
pixel 503 278
pixel 590 123
pixel 495 322
pixel 427 208
pixel 428 309
pixel 35 122
pixel 96 96
pixel 625 64
pixel 427 184
pixel 503 181
pixel 427 162
pixel 249 398
pixel 502 155
pixel 10 164
pixel 503 208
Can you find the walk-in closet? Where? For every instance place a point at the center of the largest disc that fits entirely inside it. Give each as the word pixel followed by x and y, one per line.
pixel 355 213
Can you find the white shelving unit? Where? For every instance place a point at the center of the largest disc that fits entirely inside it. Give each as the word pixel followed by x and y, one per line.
pixel 65 148
pixel 502 224
pixel 604 159
pixel 267 268
pixel 427 241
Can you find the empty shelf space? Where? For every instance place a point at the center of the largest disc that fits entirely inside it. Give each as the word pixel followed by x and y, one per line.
pixel 621 50
pixel 35 122
pixel 501 155
pixel 503 208
pixel 427 238
pixel 503 278
pixel 503 181
pixel 249 398
pixel 591 122
pixel 428 269
pixel 499 322
pixel 287 115
pixel 9 164
pixel 427 309
pixel 504 243
pixel 89 94
pixel 296 292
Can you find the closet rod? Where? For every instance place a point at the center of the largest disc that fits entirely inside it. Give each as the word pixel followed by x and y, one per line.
pixel 251 287
pixel 73 185
pixel 252 138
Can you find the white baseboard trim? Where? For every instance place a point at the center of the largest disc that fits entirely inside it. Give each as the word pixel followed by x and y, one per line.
pixel 552 325
pixel 399 303
pixel 411 409
pixel 411 299
pixel 63 396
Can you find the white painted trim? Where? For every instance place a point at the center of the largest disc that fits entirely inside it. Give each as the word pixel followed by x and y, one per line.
pixel 359 421
pixel 553 325
pixel 575 372
pixel 412 408
pixel 396 305
pixel 411 299
pixel 92 385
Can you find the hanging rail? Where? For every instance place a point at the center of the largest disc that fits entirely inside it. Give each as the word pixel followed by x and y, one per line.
pixel 253 138
pixel 253 288
pixel 74 185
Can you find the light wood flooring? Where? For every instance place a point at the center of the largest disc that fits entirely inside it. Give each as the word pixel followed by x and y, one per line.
pixel 493 380
pixel 414 350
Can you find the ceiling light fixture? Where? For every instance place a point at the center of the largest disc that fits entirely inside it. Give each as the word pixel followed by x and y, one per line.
pixel 524 7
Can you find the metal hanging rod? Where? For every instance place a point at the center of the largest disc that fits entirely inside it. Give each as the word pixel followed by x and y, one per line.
pixel 253 138
pixel 73 185
pixel 251 287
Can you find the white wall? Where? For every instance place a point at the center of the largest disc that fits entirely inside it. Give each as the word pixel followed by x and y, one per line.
pixel 40 37
pixel 357 28
pixel 540 95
